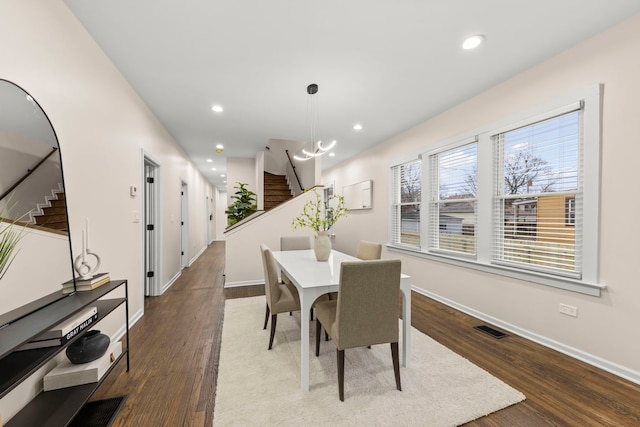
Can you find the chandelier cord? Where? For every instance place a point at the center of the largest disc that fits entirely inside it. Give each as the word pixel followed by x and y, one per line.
pixel 313 118
pixel 312 90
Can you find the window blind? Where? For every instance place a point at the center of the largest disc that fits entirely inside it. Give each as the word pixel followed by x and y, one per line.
pixel 538 196
pixel 407 194
pixel 452 208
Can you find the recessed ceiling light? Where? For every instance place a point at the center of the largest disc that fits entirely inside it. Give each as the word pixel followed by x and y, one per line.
pixel 209 160
pixel 357 126
pixel 473 42
pixel 213 169
pixel 219 148
pixel 332 154
pixel 217 108
pixel 222 175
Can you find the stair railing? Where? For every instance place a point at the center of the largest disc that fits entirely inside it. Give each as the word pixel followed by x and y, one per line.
pixel 29 172
pixel 291 173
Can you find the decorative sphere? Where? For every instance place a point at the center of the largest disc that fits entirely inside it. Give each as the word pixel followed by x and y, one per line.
pixel 89 347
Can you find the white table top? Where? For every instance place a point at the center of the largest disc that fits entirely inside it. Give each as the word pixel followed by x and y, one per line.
pixel 303 267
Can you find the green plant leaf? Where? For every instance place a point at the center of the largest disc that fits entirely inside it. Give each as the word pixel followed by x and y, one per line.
pixel 318 214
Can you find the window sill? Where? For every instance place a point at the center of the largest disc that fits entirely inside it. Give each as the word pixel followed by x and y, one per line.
pixel 573 285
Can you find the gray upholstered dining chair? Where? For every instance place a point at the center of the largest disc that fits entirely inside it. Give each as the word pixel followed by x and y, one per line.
pixel 279 297
pixel 369 250
pixel 365 313
pixel 295 243
pixel 366 251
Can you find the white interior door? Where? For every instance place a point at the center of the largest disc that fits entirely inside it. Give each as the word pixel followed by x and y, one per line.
pixel 184 226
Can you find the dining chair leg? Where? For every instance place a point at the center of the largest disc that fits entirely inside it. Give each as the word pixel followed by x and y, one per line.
pixel 274 320
pixel 396 363
pixel 318 330
pixel 266 317
pixel 340 354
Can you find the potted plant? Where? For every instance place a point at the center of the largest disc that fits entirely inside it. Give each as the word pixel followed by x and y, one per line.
pixel 320 215
pixel 244 205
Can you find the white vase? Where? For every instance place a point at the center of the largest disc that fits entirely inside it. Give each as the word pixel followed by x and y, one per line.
pixel 322 246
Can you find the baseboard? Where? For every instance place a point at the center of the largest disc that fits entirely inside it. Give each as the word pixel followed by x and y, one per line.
pixel 196 256
pixel 243 283
pixel 598 362
pixel 132 321
pixel 170 282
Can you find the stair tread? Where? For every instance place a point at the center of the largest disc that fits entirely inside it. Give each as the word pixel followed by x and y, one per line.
pixel 47 219
pixel 54 210
pixel 276 190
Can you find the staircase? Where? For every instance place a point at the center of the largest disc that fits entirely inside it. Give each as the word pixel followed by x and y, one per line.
pixel 276 190
pixel 54 214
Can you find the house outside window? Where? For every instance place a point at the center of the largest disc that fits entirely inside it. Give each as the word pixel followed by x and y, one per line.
pixel 570 210
pixel 453 200
pixel 537 168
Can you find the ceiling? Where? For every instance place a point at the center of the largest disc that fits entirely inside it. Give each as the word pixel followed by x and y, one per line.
pixel 387 65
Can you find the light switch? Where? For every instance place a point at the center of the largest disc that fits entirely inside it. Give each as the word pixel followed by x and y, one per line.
pixel 136 216
pixel 133 190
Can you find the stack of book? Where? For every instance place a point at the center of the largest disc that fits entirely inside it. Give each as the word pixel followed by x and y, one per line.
pixel 66 374
pixel 92 282
pixel 64 331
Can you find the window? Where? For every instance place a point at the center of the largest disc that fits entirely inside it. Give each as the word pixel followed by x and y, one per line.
pixel 536 173
pixel 329 204
pixel 570 210
pixel 452 214
pixel 407 193
pixel 519 197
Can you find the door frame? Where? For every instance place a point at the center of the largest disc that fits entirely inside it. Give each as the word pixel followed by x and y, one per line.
pixel 152 286
pixel 184 224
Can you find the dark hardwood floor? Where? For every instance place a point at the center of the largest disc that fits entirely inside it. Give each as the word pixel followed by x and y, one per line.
pixel 176 344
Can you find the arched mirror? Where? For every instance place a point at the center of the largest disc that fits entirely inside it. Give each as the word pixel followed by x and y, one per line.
pixel 35 248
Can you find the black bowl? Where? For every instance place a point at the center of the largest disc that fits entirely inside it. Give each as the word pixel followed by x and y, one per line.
pixel 87 348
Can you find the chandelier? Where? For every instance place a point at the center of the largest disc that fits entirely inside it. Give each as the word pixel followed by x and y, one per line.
pixel 317 147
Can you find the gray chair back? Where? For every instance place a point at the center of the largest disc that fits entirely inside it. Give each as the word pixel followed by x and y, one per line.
pixel 369 250
pixel 367 310
pixel 295 243
pixel 271 284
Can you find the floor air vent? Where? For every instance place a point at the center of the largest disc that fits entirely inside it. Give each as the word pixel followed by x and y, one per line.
pixel 489 330
pixel 99 413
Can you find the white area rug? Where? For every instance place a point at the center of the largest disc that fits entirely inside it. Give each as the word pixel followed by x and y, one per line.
pixel 261 387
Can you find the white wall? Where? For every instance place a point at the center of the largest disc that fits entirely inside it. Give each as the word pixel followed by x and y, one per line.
pixel 258 170
pixel 604 331
pixel 242 246
pixel 220 217
pixel 308 171
pixel 102 126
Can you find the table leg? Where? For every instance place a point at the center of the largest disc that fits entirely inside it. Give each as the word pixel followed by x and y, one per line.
pixel 406 322
pixel 305 306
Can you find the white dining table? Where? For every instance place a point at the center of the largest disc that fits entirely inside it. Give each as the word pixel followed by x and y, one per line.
pixel 313 278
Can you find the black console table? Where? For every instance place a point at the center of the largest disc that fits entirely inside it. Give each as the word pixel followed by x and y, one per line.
pixel 57 407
